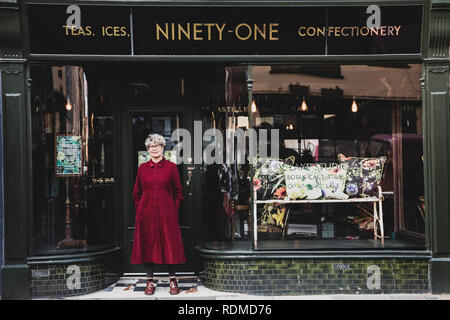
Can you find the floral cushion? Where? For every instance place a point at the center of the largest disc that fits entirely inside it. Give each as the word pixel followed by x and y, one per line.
pixel 268 179
pixel 303 182
pixel 364 175
pixel 316 181
pixel 333 178
pixel 274 214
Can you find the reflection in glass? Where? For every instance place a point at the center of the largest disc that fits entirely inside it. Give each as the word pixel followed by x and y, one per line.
pixel 73 178
pixel 354 110
pixel 225 186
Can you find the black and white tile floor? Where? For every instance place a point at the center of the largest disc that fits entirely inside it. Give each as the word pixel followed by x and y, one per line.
pixel 134 287
pixel 138 285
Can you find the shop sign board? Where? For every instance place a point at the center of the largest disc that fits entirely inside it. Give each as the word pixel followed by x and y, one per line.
pixel 68 155
pixel 243 31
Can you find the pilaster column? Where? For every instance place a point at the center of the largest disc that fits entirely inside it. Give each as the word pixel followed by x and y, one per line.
pixel 437 150
pixel 16 157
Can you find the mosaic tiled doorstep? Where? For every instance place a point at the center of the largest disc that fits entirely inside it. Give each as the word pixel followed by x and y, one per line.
pixel 139 284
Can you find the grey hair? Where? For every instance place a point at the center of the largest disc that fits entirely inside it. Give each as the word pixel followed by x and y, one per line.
pixel 155 138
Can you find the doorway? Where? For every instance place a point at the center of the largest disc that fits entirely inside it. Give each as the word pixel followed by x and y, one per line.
pixel 137 122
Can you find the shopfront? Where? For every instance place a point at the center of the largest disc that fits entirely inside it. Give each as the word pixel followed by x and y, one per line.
pixel 259 98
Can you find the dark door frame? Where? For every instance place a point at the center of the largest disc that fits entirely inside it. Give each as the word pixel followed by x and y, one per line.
pixel 124 110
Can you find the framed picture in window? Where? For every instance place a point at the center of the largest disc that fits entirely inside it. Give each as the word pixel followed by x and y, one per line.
pixel 68 155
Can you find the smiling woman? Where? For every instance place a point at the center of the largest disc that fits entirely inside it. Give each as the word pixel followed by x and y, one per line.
pixel 157 196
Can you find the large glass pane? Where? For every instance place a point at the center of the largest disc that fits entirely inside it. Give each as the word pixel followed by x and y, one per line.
pixel 322 112
pixel 225 182
pixel 73 167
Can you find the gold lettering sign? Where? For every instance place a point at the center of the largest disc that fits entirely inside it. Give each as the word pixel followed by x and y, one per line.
pixel 348 31
pixel 189 31
pixel 214 31
pixel 89 31
pixel 242 31
pixel 265 31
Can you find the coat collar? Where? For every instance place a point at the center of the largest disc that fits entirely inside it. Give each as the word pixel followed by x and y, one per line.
pixel 159 163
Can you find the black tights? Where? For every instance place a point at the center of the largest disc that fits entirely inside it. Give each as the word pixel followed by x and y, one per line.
pixel 150 267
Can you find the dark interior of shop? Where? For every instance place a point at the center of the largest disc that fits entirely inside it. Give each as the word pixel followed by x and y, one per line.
pixel 384 123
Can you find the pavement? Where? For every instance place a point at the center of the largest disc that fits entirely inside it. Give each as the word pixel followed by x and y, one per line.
pixel 132 288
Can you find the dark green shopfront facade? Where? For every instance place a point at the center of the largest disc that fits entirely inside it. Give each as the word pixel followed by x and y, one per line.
pixel 72 234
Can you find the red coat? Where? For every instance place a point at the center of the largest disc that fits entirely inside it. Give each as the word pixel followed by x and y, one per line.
pixel 157 195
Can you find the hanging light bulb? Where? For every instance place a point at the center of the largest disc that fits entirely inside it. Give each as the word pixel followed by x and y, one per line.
pixel 304 107
pixel 354 106
pixel 68 105
pixel 253 106
pixel 291 127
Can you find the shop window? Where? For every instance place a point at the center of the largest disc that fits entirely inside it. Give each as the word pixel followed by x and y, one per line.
pixel 320 113
pixel 225 181
pixel 72 157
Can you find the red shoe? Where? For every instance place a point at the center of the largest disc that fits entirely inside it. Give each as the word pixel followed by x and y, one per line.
pixel 174 287
pixel 150 289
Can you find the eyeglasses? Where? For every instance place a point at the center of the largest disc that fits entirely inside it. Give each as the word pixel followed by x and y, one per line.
pixel 156 146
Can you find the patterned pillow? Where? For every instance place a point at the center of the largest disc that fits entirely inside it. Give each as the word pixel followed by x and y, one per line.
pixel 364 175
pixel 333 178
pixel 303 182
pixel 316 181
pixel 268 179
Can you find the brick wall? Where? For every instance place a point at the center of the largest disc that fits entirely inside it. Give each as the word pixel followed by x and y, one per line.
pixel 317 276
pixel 59 280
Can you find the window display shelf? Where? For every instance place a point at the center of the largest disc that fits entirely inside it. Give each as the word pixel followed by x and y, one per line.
pixel 377 212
